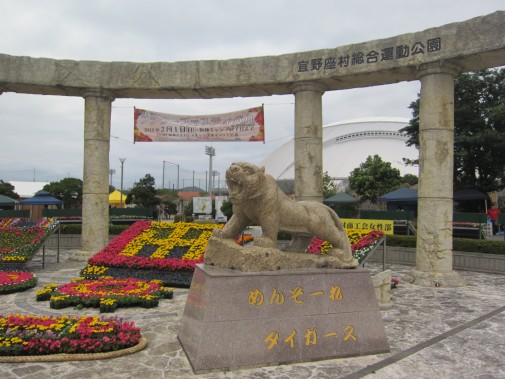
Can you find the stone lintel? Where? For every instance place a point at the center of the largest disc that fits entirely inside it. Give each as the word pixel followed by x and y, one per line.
pixel 474 44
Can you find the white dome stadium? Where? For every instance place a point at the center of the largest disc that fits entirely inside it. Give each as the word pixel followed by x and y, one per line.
pixel 347 144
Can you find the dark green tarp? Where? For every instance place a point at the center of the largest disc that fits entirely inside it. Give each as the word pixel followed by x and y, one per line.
pixel 5 200
pixel 340 198
pixel 401 194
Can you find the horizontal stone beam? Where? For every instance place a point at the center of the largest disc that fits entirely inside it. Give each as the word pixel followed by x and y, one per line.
pixel 471 45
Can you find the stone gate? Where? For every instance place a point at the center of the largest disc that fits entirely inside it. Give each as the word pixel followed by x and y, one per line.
pixel 434 56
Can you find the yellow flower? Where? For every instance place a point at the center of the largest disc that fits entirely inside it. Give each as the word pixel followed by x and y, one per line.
pixel 59 298
pixel 108 301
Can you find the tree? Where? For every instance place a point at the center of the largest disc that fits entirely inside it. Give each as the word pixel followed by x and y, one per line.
pixel 7 189
pixel 329 187
pixel 409 179
pixel 69 190
pixel 373 178
pixel 188 209
pixel 143 193
pixel 479 129
pixel 167 194
pixel 170 207
pixel 227 208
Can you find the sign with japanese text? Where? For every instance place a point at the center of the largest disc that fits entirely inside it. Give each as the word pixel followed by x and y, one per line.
pixel 370 57
pixel 308 336
pixel 244 125
pixel 386 226
pixel 288 316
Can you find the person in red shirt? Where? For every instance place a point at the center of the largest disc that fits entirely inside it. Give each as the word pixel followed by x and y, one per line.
pixel 493 214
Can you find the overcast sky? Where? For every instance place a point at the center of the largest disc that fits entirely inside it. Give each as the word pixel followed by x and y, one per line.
pixel 41 137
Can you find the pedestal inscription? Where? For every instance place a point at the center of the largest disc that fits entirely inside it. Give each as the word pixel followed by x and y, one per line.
pixel 234 319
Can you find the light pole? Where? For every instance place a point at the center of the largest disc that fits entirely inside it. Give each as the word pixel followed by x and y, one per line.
pixel 163 180
pixel 111 172
pixel 210 151
pixel 121 196
pixel 214 174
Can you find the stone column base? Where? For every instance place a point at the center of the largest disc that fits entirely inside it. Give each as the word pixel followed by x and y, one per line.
pixel 81 255
pixel 382 285
pixel 435 279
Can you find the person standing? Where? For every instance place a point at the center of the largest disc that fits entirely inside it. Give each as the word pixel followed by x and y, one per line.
pixel 493 213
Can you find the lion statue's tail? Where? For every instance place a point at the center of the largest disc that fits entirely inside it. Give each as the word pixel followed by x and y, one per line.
pixel 345 240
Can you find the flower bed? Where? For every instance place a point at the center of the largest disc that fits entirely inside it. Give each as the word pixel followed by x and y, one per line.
pixel 68 218
pixel 15 281
pixel 362 243
pixel 27 335
pixel 106 293
pixel 394 283
pixel 20 239
pixel 153 250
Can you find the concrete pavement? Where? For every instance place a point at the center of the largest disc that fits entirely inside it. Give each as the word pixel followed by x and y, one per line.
pixel 432 332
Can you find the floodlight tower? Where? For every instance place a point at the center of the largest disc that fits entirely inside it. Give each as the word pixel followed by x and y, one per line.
pixel 210 151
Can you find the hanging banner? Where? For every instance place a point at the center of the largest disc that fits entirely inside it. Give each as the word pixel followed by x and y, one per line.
pixel 493 196
pixel 245 125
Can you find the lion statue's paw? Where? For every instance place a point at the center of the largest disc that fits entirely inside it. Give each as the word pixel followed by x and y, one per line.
pixel 346 259
pixel 262 241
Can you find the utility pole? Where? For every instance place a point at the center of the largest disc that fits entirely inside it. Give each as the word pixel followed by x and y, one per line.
pixel 121 197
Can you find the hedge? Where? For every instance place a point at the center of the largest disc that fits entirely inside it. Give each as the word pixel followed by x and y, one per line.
pixel 77 229
pixel 458 244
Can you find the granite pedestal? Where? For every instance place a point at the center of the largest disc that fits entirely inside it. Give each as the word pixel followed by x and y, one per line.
pixel 236 319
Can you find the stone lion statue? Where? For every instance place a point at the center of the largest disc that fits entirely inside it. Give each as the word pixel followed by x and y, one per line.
pixel 257 198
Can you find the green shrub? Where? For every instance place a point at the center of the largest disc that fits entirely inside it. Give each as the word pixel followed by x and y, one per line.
pixel 179 217
pixel 117 229
pixel 77 229
pixel 71 229
pixel 404 241
pixel 458 244
pixel 479 246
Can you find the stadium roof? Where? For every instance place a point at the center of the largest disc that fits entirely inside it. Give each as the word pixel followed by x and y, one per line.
pixel 347 144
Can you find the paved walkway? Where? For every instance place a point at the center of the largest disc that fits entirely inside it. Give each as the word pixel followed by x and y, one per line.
pixel 432 332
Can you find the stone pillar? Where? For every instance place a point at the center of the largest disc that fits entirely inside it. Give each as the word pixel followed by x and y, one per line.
pixel 308 141
pixel 436 162
pixel 308 151
pixel 95 203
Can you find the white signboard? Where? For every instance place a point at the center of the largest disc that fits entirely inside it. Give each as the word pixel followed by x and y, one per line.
pixel 219 203
pixel 202 205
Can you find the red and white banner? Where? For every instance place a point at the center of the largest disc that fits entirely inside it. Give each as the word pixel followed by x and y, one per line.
pixel 245 125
